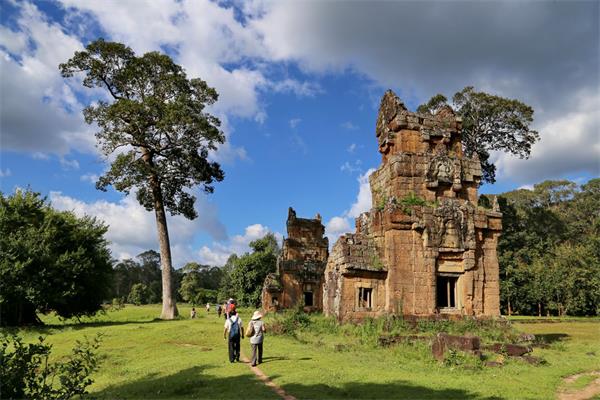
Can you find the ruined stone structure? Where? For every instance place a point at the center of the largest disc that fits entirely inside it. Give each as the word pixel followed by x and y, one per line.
pixel 300 267
pixel 425 247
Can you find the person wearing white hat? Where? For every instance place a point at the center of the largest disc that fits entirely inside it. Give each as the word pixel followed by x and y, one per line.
pixel 256 330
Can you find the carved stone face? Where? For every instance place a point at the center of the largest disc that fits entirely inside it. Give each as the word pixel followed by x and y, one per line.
pixel 445 172
pixel 441 169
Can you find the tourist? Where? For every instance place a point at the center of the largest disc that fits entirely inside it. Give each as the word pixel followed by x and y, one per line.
pixel 256 330
pixel 229 306
pixel 193 313
pixel 219 310
pixel 232 332
pixel 207 308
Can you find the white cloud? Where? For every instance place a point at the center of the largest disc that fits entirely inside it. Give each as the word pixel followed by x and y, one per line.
pixel 218 253
pixel 351 167
pixel 294 122
pixel 209 42
pixel 569 144
pixel 68 164
pixel 132 229
pixel 352 148
pixel 336 227
pixel 349 126
pixel 34 116
pixel 339 225
pixel 300 89
pixel 91 178
pixel 5 173
pixel 363 199
pixel 299 144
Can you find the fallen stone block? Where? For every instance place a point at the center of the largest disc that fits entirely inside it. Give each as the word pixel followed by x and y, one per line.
pixel 513 350
pixel 464 343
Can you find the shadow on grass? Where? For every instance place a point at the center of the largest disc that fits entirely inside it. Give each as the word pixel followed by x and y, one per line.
pixel 271 359
pixel 196 383
pixel 189 383
pixel 83 325
pixel 549 338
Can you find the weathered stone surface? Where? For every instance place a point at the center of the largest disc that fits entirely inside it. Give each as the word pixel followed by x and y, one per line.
pixel 300 267
pixel 438 348
pixel 513 350
pixel 464 343
pixel 424 248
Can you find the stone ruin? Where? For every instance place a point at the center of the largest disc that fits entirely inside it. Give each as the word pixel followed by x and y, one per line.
pixel 424 248
pixel 300 267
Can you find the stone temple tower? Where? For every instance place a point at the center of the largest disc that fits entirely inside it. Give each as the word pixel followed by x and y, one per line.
pixel 425 247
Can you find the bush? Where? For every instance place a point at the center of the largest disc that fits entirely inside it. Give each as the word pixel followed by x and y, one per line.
pixel 27 374
pixel 290 322
pixel 140 294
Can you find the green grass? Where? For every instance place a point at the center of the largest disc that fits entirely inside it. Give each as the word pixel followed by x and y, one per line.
pixel 581 382
pixel 146 358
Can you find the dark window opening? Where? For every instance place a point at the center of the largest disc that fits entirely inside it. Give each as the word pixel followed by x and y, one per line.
pixel 365 297
pixel 446 291
pixel 308 295
pixel 308 299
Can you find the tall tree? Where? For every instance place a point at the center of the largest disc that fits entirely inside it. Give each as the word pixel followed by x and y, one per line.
pixel 51 261
pixel 490 123
pixel 158 129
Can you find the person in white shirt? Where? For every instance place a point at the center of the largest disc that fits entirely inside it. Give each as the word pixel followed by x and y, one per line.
pixel 233 332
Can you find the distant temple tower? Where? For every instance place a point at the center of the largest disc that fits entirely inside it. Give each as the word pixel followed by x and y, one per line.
pixel 300 267
pixel 424 247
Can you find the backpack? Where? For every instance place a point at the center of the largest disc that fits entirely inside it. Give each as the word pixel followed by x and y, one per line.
pixel 234 329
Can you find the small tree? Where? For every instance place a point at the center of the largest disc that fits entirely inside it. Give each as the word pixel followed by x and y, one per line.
pixel 159 129
pixel 250 270
pixel 51 261
pixel 489 123
pixel 140 294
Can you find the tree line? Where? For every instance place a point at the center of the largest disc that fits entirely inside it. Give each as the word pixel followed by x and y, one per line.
pixel 549 251
pixel 137 281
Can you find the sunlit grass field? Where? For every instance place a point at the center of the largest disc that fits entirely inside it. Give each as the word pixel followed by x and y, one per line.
pixel 142 357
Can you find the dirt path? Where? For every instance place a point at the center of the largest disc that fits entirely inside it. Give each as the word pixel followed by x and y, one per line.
pixel 587 392
pixel 267 381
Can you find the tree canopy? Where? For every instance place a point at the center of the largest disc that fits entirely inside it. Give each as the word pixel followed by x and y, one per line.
pixel 549 251
pixel 490 123
pixel 246 274
pixel 51 261
pixel 157 126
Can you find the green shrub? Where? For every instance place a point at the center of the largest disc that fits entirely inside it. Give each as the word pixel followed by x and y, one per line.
pixel 27 374
pixel 140 294
pixel 289 322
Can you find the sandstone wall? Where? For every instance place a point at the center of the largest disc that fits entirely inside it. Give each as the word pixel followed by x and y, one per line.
pixel 424 229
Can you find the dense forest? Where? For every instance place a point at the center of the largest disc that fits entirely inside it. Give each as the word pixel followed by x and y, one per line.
pixel 549 251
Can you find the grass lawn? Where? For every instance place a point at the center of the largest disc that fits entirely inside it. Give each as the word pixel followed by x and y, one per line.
pixel 145 358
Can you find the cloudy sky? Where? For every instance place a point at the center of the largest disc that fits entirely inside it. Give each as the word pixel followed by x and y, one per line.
pixel 299 85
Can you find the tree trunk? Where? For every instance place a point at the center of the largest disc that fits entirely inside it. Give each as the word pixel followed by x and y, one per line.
pixel 539 309
pixel 509 308
pixel 19 314
pixel 169 308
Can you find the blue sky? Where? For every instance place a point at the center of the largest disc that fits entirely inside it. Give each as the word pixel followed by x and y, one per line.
pixel 299 86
